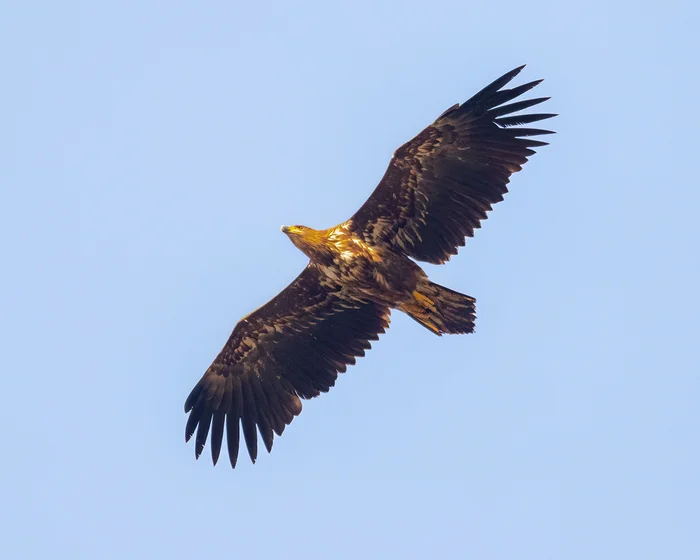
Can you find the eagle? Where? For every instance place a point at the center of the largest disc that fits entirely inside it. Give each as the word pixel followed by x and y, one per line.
pixel 437 189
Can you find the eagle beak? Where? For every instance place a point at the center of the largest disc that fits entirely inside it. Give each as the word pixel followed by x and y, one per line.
pixel 284 229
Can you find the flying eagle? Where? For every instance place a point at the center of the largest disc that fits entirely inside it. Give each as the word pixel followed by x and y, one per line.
pixel 437 189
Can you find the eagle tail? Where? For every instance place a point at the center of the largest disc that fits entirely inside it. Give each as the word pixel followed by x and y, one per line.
pixel 441 310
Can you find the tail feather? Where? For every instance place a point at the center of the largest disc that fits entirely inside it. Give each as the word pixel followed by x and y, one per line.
pixel 441 310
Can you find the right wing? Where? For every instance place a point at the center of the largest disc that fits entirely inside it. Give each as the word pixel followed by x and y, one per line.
pixel 293 346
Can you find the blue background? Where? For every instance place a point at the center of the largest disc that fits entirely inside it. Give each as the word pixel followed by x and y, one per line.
pixel 150 152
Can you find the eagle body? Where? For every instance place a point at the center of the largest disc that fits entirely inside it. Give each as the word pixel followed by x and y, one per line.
pixel 437 189
pixel 357 269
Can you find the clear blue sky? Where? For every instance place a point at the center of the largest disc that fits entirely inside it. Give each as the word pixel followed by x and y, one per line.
pixel 151 150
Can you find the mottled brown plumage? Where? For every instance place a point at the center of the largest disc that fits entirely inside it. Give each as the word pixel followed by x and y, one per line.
pixel 437 189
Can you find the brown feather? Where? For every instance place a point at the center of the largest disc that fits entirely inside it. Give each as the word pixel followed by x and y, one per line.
pixel 470 145
pixel 294 346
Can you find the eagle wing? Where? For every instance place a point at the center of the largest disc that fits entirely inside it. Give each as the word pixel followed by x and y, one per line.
pixel 293 346
pixel 441 184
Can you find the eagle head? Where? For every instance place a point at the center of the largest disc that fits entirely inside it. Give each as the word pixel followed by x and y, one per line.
pixel 312 242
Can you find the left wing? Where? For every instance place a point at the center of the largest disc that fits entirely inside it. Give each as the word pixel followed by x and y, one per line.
pixel 441 184
pixel 293 346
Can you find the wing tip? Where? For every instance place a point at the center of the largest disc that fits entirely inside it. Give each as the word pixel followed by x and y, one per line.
pixel 515 71
pixel 192 398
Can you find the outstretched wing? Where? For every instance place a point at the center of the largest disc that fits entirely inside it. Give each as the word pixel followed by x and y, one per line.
pixel 293 346
pixel 441 184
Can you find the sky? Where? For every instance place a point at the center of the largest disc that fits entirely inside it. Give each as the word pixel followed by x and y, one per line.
pixel 150 152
